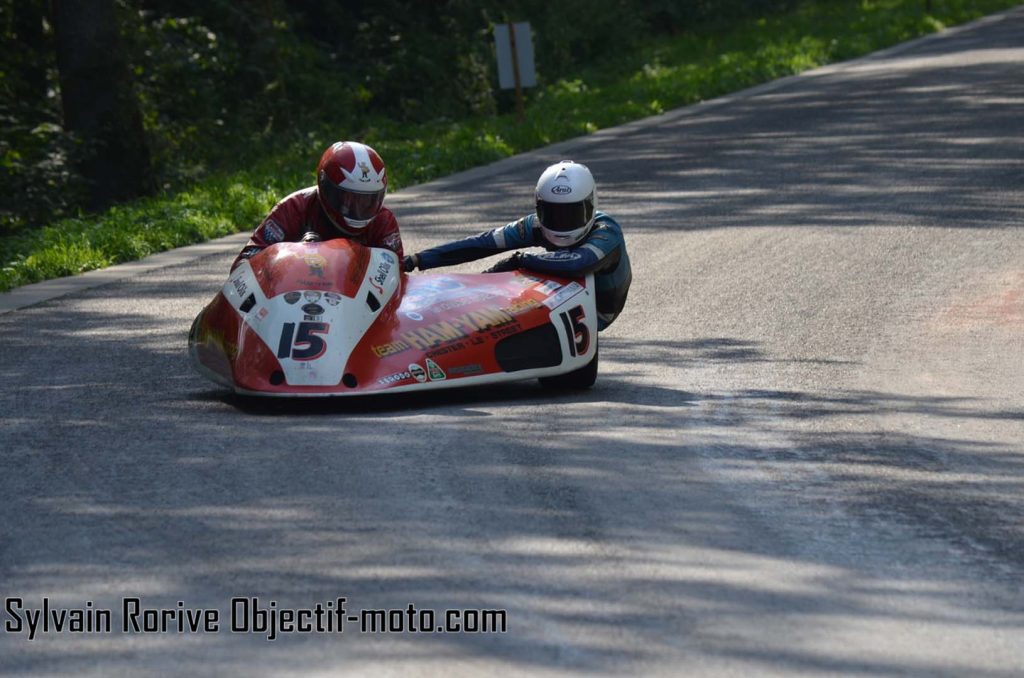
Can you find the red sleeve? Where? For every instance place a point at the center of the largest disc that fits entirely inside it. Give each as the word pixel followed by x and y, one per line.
pixel 282 225
pixel 386 234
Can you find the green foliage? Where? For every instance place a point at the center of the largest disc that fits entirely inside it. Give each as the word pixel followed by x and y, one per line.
pixel 36 181
pixel 225 109
pixel 132 231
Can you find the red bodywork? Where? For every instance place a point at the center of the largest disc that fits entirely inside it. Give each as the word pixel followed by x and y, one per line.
pixel 341 312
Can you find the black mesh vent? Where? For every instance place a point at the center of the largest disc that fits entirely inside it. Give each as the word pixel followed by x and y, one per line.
pixel 534 348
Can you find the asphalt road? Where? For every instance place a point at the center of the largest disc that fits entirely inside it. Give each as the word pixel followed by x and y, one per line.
pixel 803 455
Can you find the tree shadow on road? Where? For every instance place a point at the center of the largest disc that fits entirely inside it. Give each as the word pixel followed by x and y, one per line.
pixel 635 524
pixel 580 514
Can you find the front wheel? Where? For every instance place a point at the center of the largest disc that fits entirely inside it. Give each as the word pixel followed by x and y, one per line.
pixel 578 379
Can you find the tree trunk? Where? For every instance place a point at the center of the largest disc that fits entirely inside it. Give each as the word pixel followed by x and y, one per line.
pixel 98 102
pixel 27 22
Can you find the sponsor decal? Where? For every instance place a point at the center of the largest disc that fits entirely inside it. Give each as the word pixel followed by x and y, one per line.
pixel 434 371
pixel 332 298
pixel 272 232
pixel 446 349
pixel 561 189
pixel 380 275
pixel 548 287
pixel 562 255
pixel 563 295
pixel 383 268
pixel 506 331
pixel 417 372
pixel 292 297
pixel 459 327
pixel 312 297
pixel 313 309
pixel 394 378
pixel 413 315
pixel 439 284
pixel 462 301
pixel 262 313
pixel 240 288
pixel 365 169
pixel 523 280
pixel 393 241
pixel 384 350
pixel 466 370
pixel 456 329
pixel 522 306
pixel 316 264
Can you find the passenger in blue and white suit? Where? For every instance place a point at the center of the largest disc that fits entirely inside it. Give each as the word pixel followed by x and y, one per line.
pixel 578 240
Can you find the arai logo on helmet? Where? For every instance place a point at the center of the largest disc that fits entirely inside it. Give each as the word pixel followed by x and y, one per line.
pixel 561 189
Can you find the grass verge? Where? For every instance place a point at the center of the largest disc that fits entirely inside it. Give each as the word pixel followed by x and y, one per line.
pixel 670 72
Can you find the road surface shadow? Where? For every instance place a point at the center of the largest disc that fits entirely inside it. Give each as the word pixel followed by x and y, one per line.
pixel 633 525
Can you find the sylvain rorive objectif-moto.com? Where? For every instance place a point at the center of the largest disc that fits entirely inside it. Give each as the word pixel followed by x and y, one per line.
pixel 245 615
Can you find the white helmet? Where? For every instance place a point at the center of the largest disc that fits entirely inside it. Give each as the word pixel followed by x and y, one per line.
pixel 566 203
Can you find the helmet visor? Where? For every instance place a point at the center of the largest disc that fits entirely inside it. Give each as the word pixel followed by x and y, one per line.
pixel 562 217
pixel 352 204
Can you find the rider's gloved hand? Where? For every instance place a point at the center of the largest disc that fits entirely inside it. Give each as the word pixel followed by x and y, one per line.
pixel 410 262
pixel 511 263
pixel 311 236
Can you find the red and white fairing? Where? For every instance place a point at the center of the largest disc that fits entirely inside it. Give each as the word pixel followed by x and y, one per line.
pixel 336 318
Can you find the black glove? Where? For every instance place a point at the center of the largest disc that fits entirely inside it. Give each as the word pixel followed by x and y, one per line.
pixel 311 236
pixel 511 263
pixel 410 262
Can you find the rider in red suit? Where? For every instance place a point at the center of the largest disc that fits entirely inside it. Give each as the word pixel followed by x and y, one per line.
pixel 347 202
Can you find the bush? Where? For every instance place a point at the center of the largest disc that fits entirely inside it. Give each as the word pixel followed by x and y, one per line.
pixel 239 122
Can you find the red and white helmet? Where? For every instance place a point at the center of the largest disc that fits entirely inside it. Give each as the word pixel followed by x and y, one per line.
pixel 351 182
pixel 566 202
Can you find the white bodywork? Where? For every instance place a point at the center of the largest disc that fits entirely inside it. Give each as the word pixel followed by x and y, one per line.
pixel 346 318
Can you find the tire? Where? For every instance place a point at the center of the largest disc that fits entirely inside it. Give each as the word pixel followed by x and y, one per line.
pixel 579 379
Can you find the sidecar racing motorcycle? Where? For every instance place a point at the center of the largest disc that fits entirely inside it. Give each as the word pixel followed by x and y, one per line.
pixel 336 318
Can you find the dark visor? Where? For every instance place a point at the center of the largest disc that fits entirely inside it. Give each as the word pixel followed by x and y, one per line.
pixel 350 204
pixel 563 217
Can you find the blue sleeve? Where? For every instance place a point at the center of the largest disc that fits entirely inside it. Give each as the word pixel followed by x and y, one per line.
pixel 602 249
pixel 509 237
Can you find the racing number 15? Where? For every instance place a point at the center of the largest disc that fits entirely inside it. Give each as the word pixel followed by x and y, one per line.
pixel 576 330
pixel 306 345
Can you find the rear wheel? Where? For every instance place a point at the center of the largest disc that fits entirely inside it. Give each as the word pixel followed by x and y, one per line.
pixel 578 379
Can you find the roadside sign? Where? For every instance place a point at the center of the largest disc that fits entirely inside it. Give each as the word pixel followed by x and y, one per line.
pixel 514 46
pixel 521 36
